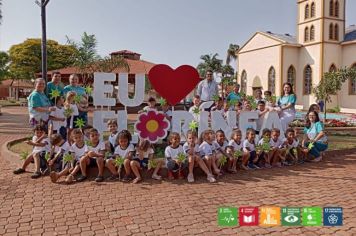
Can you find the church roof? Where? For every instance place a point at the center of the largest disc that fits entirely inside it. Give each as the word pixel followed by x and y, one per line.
pixel 350 33
pixel 286 38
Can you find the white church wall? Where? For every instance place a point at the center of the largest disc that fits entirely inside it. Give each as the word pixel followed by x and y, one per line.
pixel 259 41
pixel 291 57
pixel 257 63
pixel 347 101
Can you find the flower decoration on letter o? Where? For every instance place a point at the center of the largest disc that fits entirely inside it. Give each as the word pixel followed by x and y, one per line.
pixel 152 126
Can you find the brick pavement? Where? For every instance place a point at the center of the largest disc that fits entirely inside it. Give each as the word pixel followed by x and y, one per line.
pixel 38 207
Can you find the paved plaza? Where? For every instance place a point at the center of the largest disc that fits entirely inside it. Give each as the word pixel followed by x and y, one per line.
pixel 38 207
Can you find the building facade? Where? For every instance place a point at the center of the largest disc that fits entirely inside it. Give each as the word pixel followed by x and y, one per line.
pixel 322 44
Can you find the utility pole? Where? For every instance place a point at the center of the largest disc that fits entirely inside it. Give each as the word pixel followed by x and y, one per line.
pixel 43 4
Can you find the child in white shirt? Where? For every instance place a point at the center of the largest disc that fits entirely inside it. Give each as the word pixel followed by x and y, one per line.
pixel 173 152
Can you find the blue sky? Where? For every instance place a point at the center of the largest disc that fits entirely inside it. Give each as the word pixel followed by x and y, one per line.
pixel 173 32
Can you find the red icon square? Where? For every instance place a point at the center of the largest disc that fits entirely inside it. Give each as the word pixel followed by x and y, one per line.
pixel 248 216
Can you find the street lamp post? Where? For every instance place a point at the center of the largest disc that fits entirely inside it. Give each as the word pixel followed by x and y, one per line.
pixel 43 4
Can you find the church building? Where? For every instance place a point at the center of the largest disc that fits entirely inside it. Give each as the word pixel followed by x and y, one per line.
pixel 322 44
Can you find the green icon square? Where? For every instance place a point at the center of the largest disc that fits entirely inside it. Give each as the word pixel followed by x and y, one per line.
pixel 227 216
pixel 291 216
pixel 312 216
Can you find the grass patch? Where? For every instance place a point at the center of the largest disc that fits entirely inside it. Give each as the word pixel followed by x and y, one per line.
pixel 6 103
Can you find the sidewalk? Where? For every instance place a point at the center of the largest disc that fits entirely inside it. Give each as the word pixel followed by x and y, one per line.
pixel 169 208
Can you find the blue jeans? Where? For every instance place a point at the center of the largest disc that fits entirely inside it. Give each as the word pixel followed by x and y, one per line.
pixel 318 147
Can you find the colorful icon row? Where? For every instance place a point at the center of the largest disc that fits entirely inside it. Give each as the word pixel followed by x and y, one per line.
pixel 280 216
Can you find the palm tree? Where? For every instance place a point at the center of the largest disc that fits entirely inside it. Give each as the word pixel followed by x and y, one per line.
pixel 210 62
pixel 231 53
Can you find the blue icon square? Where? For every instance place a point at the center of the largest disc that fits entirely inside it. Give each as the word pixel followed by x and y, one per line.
pixel 332 216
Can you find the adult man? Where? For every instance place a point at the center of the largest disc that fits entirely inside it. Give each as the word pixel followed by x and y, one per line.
pixel 208 87
pixel 39 105
pixel 54 84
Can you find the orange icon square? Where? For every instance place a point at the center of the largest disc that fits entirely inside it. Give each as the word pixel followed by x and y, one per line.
pixel 270 216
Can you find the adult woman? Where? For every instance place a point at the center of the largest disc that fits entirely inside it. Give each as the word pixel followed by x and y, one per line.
pixel 82 105
pixel 315 140
pixel 39 106
pixel 286 104
pixel 55 84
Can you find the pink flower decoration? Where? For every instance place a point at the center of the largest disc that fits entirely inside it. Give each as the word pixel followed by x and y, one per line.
pixel 152 125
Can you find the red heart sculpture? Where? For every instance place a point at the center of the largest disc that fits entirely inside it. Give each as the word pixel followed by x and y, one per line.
pixel 173 85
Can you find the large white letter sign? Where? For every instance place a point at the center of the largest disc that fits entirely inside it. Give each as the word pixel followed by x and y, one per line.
pixel 177 118
pixel 100 88
pixel 218 122
pixel 100 118
pixel 272 120
pixel 247 120
pixel 123 94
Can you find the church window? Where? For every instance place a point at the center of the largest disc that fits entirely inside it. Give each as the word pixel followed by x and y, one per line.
pixel 353 83
pixel 331 8
pixel 336 37
pixel 331 31
pixel 291 75
pixel 306 13
pixel 312 33
pixel 244 82
pixel 307 80
pixel 306 34
pixel 312 11
pixel 337 9
pixel 272 80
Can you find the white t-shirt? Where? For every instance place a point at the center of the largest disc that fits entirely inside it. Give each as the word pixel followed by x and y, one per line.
pixel 99 147
pixel 75 113
pixel 112 139
pixel 58 113
pixel 173 152
pixel 186 148
pixel 223 147
pixel 221 111
pixel 276 144
pixel 247 144
pixel 146 154
pixel 37 149
pixel 169 114
pixel 260 120
pixel 235 145
pixel 206 149
pixel 292 145
pixel 64 149
pixel 123 153
pixel 78 151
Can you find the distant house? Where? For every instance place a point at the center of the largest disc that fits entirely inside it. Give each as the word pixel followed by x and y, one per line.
pixel 133 59
pixel 15 89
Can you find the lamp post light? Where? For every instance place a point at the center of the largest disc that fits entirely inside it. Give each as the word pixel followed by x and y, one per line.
pixel 43 4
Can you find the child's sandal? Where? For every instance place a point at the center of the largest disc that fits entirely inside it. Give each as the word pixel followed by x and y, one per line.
pixel 36 175
pixel 19 171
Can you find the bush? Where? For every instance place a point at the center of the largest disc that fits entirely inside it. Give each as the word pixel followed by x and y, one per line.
pixel 334 110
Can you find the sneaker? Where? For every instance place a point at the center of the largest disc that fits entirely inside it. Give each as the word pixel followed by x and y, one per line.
pixel 278 164
pixel 170 175
pixel 317 159
pixel 19 171
pixel 286 163
pixel 157 177
pixel 82 178
pixel 54 177
pixel 211 178
pixel 36 175
pixel 99 179
pixel 268 166
pixel 190 178
pixel 251 167
pixel 113 177
pixel 126 179
pixel 300 161
pixel 136 180
pixel 69 179
pixel 256 167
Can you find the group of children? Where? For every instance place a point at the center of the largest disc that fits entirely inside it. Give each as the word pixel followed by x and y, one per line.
pixel 212 152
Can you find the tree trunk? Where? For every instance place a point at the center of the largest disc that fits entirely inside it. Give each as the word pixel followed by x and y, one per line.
pixel 324 110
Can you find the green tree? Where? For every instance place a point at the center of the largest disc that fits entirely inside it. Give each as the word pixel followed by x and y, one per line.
pixel 210 62
pixel 88 61
pixel 331 83
pixel 4 65
pixel 231 53
pixel 25 58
